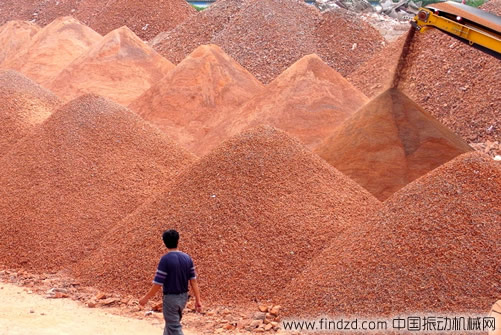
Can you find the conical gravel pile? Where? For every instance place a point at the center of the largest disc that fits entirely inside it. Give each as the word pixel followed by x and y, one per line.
pixel 52 49
pixel 461 92
pixel 202 91
pixel 121 67
pixel 24 105
pixel 252 213
pixel 13 36
pixel 197 30
pixel 434 247
pixel 85 168
pixel 308 100
pixel 388 143
pixel 268 36
pixel 145 18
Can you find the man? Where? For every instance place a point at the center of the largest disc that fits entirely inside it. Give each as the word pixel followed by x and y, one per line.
pixel 174 272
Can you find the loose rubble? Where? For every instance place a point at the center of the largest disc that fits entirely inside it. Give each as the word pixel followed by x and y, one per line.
pixel 88 165
pixel 24 105
pixel 202 91
pixel 260 204
pixel 493 6
pixel 388 143
pixel 288 30
pixel 308 100
pixel 52 49
pixel 145 18
pixel 120 67
pixel 417 253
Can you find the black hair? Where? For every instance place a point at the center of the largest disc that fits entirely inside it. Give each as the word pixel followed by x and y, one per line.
pixel 170 237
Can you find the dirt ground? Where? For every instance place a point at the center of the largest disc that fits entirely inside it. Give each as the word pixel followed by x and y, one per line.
pixel 22 313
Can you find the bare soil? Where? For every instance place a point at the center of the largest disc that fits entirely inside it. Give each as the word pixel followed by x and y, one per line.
pixel 22 312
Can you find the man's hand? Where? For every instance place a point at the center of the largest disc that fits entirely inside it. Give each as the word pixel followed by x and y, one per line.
pixel 198 306
pixel 153 290
pixel 144 300
pixel 198 303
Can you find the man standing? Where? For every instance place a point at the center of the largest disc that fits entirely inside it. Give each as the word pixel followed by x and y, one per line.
pixel 174 272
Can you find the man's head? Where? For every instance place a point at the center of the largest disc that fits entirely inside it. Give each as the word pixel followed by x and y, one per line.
pixel 170 237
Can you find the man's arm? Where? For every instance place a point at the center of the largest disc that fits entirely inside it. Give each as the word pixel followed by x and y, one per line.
pixel 153 290
pixel 196 291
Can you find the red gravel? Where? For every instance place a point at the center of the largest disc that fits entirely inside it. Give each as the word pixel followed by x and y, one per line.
pixel 433 247
pixel 268 36
pixel 202 91
pixel 24 105
pixel 493 6
pixel 345 41
pixel 103 16
pixel 308 100
pixel 52 49
pixel 13 36
pixel 86 167
pixel 145 18
pixel 459 91
pixel 17 10
pixel 197 30
pixel 376 75
pixel 450 79
pixel 252 213
pixel 388 143
pixel 120 67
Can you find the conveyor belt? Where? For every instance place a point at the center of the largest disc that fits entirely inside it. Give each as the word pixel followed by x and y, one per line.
pixel 473 14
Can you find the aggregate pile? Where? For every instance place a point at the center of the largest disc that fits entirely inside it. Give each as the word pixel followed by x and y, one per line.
pixel 146 18
pixel 24 105
pixel 197 30
pixel 120 67
pixel 268 36
pixel 450 79
pixel 13 36
pixel 17 10
pixel 251 213
pixel 388 143
pixel 199 93
pixel 493 6
pixel 433 247
pixel 460 90
pixel 87 166
pixel 52 49
pixel 376 75
pixel 46 11
pixel 345 41
pixel 308 100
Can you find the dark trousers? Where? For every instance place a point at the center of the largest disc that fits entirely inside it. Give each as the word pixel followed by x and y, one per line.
pixel 173 305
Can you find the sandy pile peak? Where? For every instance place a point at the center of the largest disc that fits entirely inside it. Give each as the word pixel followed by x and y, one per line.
pixel 14 35
pixel 52 49
pixel 259 204
pixel 390 142
pixel 415 254
pixel 199 93
pixel 86 167
pixel 308 100
pixel 120 67
pixel 24 106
